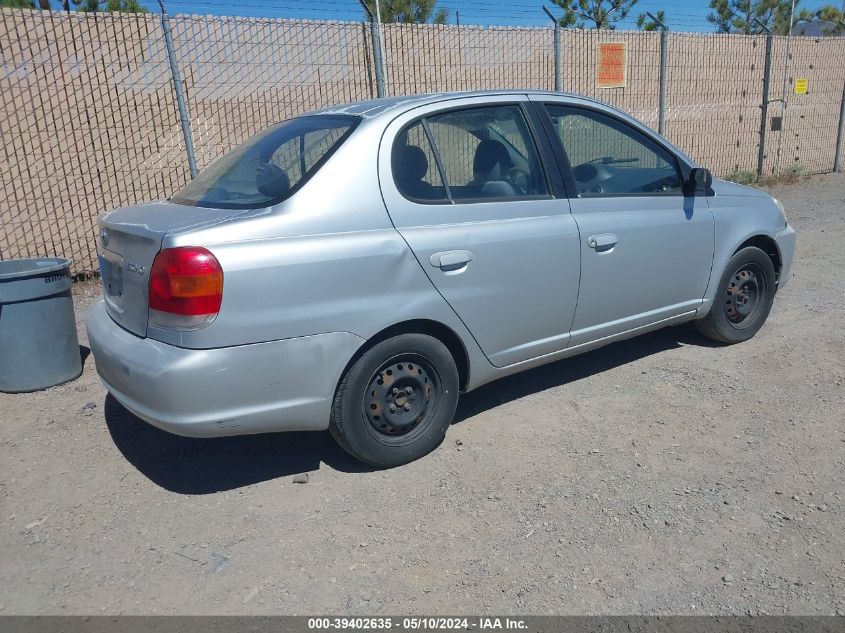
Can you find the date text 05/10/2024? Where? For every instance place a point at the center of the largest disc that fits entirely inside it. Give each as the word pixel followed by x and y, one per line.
pixel 416 623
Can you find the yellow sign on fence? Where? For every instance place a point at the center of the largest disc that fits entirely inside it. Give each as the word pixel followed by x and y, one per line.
pixel 612 67
pixel 801 84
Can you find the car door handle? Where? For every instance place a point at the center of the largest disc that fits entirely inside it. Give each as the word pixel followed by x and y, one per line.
pixel 603 242
pixel 451 260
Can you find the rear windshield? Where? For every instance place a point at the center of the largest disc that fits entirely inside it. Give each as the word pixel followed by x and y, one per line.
pixel 270 166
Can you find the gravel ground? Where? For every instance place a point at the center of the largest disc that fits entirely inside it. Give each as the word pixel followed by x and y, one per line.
pixel 658 475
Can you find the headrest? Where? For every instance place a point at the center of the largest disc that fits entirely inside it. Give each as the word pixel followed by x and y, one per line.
pixel 271 180
pixel 410 163
pixel 491 160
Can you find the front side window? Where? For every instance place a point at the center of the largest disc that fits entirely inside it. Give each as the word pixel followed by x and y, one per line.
pixel 270 166
pixel 609 157
pixel 485 154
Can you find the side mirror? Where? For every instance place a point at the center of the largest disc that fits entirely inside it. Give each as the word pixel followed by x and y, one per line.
pixel 700 179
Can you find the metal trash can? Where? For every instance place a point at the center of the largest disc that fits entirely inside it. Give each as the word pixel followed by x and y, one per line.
pixel 38 343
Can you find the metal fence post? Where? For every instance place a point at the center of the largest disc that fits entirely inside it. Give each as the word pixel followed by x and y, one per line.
pixel 179 90
pixel 378 60
pixel 664 56
pixel 557 48
pixel 837 165
pixel 764 106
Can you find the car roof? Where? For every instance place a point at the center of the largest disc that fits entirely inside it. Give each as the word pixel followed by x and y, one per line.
pixel 373 108
pixel 390 107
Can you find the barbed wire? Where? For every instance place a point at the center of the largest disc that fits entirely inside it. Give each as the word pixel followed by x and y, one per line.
pixel 471 12
pixel 466 12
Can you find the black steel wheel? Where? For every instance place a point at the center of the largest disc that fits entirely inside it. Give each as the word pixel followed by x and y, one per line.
pixel 745 294
pixel 743 299
pixel 396 401
pixel 397 397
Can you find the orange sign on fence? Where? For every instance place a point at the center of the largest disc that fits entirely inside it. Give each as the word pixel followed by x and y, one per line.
pixel 612 67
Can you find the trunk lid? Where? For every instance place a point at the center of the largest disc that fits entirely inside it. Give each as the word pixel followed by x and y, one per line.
pixel 127 242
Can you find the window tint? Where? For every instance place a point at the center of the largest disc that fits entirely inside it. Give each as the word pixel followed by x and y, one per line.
pixel 609 157
pixel 415 167
pixel 457 148
pixel 270 166
pixel 299 155
pixel 488 153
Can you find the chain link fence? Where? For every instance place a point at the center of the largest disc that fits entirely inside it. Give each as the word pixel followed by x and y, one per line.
pixel 91 119
pixel 243 74
pixel 89 123
pixel 806 140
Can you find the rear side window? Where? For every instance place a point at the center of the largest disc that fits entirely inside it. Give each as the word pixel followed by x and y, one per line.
pixel 270 166
pixel 484 154
pixel 415 167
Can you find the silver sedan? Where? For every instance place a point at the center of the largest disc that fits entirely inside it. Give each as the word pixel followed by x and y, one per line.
pixel 357 267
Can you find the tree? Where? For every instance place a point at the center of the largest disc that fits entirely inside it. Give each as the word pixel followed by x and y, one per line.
pixel 829 19
pixel 599 14
pixel 645 23
pixel 409 11
pixel 123 6
pixel 17 4
pixel 738 16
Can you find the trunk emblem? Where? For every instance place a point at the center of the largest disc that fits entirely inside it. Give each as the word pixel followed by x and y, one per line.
pixel 138 269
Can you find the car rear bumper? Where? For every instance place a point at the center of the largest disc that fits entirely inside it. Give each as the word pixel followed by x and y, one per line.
pixel 285 385
pixel 785 239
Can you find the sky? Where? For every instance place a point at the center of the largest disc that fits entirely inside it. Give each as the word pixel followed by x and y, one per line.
pixel 681 15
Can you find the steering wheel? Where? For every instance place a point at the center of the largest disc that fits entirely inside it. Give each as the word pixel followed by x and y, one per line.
pixel 520 179
pixel 664 184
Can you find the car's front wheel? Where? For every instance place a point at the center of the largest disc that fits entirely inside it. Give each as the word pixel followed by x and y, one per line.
pixel 743 299
pixel 396 401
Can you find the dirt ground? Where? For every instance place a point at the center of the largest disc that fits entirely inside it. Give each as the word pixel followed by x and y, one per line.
pixel 658 475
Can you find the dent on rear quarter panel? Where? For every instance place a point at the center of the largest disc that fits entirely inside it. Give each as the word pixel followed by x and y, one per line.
pixel 348 282
pixel 326 260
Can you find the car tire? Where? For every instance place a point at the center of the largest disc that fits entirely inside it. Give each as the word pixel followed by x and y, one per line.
pixel 743 299
pixel 395 403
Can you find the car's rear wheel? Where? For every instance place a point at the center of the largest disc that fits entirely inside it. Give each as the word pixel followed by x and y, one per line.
pixel 743 299
pixel 396 401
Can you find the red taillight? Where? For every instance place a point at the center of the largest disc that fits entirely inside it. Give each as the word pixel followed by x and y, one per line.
pixel 186 288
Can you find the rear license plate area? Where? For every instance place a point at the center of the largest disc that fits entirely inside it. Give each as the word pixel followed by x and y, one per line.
pixel 111 273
